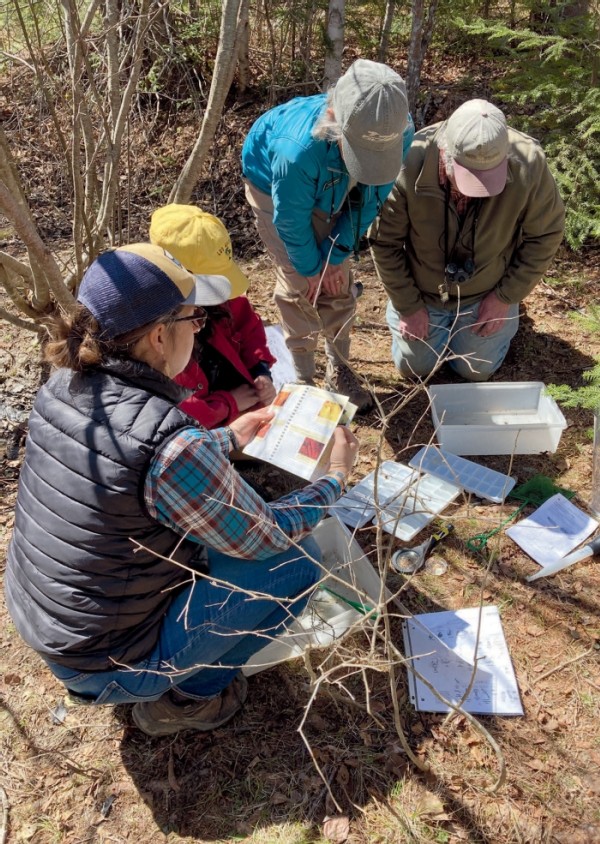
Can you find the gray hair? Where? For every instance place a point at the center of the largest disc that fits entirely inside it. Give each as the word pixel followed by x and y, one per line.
pixel 327 128
pixel 442 143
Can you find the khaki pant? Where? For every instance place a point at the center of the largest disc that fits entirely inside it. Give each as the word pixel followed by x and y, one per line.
pixel 302 323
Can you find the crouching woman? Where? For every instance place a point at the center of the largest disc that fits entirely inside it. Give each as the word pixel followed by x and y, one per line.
pixel 142 568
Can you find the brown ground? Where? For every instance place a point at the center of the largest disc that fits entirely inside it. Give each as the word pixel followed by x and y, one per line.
pixel 90 776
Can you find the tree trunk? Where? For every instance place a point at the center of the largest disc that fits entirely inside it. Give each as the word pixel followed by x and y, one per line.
pixel 413 69
pixel 423 19
pixel 384 41
pixel 334 43
pixel 224 69
pixel 244 49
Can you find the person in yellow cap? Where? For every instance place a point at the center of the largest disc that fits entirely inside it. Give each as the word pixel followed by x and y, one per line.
pixel 229 371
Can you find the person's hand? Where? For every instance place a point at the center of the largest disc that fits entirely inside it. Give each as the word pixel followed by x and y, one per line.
pixel 344 451
pixel 265 389
pixel 245 396
pixel 333 280
pixel 415 326
pixel 491 317
pixel 246 426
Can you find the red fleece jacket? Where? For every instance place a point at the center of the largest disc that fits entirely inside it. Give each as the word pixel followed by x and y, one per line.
pixel 241 339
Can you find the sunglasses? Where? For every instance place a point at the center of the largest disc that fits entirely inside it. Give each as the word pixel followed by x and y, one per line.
pixel 199 317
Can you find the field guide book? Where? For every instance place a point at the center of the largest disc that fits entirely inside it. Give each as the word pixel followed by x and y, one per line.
pixel 299 438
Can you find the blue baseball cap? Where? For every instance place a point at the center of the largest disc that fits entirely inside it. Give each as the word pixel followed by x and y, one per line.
pixel 134 285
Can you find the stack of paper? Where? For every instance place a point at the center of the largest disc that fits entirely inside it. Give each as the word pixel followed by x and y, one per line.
pixel 444 649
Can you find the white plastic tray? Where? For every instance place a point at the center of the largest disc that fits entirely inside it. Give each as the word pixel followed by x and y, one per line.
pixel 470 476
pixel 326 617
pixel 497 418
pixel 411 511
pixel 357 506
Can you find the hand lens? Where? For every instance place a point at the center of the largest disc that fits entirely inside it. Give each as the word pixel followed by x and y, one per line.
pixel 410 560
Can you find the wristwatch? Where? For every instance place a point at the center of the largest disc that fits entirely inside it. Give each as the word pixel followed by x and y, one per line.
pixel 235 446
pixel 340 478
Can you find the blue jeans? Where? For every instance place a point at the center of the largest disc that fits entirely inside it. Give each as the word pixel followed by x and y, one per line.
pixel 451 339
pixel 210 630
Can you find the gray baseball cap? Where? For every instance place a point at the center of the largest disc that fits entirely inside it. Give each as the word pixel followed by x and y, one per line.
pixel 371 107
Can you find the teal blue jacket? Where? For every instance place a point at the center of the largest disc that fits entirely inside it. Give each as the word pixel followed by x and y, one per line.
pixel 281 157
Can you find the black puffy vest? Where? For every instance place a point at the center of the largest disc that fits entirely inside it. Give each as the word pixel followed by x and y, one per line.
pixel 79 590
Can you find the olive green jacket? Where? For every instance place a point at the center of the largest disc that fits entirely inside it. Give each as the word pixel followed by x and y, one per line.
pixel 516 233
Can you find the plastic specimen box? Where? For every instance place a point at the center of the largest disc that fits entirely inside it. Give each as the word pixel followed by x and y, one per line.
pixel 407 514
pixel 497 418
pixel 328 615
pixel 470 476
pixel 358 506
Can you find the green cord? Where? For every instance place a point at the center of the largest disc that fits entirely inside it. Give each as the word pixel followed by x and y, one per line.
pixel 361 608
pixel 478 542
pixel 535 491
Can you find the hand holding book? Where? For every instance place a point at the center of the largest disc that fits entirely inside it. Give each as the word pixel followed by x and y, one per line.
pixel 301 435
pixel 343 452
pixel 246 425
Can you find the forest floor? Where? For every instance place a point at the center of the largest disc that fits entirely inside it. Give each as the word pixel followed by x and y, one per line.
pixel 88 775
pixel 85 775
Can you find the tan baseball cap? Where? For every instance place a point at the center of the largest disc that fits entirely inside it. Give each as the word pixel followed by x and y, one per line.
pixel 199 241
pixel 477 139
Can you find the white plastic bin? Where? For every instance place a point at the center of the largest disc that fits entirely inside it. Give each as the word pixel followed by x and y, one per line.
pixel 326 617
pixel 498 418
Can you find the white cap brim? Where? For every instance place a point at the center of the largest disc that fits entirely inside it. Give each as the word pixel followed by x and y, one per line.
pixel 209 290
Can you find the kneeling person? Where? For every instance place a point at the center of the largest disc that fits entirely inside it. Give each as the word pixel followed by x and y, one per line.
pixel 469 229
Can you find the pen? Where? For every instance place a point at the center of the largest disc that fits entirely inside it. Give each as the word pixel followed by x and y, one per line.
pixel 583 553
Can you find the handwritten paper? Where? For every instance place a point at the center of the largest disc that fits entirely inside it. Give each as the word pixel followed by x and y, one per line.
pixel 442 648
pixel 553 530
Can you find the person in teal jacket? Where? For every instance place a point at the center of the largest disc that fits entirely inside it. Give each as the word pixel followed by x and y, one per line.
pixel 317 172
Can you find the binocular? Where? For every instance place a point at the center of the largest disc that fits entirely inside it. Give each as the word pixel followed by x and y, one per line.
pixel 457 275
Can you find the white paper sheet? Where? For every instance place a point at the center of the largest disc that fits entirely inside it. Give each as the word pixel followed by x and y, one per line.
pixel 282 370
pixel 427 639
pixel 553 530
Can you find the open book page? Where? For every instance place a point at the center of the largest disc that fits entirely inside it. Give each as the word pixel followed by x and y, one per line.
pixel 443 647
pixel 553 530
pixel 299 438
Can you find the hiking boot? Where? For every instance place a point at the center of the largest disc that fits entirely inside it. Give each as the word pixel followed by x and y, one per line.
pixel 342 379
pixel 168 715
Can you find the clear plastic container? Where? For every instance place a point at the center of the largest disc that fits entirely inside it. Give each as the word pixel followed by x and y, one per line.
pixel 328 615
pixel 497 418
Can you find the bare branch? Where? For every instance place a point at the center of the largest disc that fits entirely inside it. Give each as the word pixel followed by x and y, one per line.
pixel 32 240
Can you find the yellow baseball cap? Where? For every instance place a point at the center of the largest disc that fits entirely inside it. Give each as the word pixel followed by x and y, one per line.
pixel 199 241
